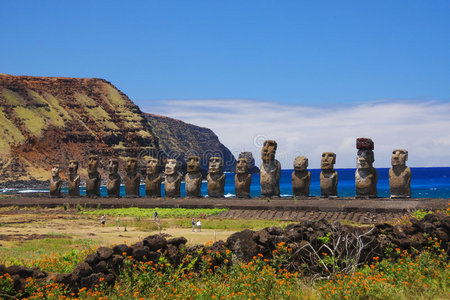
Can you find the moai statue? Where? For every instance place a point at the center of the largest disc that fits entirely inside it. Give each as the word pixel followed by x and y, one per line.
pixel 301 177
pixel 270 170
pixel 328 176
pixel 132 178
pixel 74 179
pixel 400 175
pixel 366 176
pixel 172 181
pixel 94 178
pixel 153 178
pixel 55 182
pixel 193 178
pixel 114 180
pixel 216 177
pixel 242 179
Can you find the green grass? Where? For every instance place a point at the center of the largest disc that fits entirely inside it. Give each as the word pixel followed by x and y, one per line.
pixel 50 254
pixel 162 212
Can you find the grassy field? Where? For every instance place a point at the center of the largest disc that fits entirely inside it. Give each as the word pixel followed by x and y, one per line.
pixel 64 237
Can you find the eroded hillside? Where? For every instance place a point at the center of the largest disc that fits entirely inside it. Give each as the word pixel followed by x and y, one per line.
pixel 46 121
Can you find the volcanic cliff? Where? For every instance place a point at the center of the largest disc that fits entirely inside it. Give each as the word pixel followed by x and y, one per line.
pixel 179 139
pixel 50 120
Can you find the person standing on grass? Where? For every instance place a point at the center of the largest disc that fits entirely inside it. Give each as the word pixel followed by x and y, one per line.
pixel 155 216
pixel 103 220
pixel 193 224
pixel 118 223
pixel 199 225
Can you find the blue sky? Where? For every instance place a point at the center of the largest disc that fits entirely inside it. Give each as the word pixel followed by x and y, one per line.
pixel 289 54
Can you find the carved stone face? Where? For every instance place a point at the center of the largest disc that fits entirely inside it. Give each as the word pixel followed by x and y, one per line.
pixel 193 164
pixel 55 171
pixel 300 163
pixel 113 166
pixel 152 166
pixel 268 151
pixel 92 164
pixel 399 157
pixel 328 160
pixel 365 159
pixel 73 167
pixel 171 166
pixel 131 165
pixel 242 166
pixel 215 165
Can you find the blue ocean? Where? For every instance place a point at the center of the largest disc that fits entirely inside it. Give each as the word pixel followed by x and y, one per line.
pixel 425 183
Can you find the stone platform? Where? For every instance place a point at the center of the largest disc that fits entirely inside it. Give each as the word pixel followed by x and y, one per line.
pixel 279 204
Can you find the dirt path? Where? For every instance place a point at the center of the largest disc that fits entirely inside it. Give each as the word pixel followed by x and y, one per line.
pixel 22 226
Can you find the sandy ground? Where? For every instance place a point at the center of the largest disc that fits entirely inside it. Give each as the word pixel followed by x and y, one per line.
pixel 20 226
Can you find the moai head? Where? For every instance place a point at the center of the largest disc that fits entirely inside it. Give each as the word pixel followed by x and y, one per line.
pixel 268 151
pixel 113 166
pixel 328 160
pixel 55 171
pixel 93 164
pixel 399 157
pixel 172 167
pixel 365 159
pixel 215 165
pixel 73 167
pixel 242 166
pixel 131 165
pixel 193 164
pixel 152 166
pixel 300 163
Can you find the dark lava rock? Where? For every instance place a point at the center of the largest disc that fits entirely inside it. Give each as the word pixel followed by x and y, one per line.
pixel 2 270
pixel 177 241
pixel 83 269
pixel 242 245
pixel 100 267
pixel 63 278
pixel 121 249
pixel 92 259
pixel 104 253
pixel 140 253
pixel 155 242
pixel 23 272
pixel 38 273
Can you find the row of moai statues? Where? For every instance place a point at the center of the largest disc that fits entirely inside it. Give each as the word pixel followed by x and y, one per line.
pixel 366 176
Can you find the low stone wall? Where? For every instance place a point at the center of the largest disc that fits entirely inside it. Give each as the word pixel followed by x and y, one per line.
pixel 307 241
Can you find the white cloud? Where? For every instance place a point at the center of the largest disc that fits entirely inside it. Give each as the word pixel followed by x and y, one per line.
pixel 420 127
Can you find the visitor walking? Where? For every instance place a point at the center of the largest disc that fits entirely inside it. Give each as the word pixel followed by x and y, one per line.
pixel 118 223
pixel 155 216
pixel 103 220
pixel 199 226
pixel 193 224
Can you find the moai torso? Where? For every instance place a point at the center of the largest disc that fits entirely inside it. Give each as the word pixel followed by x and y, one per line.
pixel 328 176
pixel 301 177
pixel 242 179
pixel 193 178
pixel 94 178
pixel 366 176
pixel 132 178
pixel 114 180
pixel 172 182
pixel 216 177
pixel 270 171
pixel 400 175
pixel 74 179
pixel 153 178
pixel 55 183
